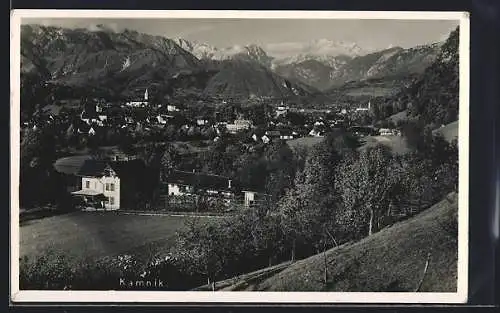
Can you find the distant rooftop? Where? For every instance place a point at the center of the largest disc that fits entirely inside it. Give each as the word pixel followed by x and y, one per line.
pixel 201 180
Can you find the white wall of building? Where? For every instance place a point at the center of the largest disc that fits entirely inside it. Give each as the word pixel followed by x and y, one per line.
pixel 249 197
pixel 107 185
pixel 179 190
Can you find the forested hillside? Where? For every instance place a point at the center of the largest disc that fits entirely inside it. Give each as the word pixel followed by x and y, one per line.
pixel 433 99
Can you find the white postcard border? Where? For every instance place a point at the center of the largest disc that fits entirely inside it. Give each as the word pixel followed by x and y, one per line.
pixel 239 297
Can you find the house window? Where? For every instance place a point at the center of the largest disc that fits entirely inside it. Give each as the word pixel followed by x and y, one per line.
pixel 112 187
pixel 111 200
pixel 107 186
pixel 87 184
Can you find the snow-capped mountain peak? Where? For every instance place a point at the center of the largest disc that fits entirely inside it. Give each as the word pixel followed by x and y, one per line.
pixel 292 52
pixel 250 52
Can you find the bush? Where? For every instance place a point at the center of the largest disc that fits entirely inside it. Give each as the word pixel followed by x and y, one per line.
pixel 49 271
pixel 53 271
pixel 247 241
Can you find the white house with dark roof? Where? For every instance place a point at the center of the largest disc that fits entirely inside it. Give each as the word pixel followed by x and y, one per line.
pixel 100 183
pixel 108 184
pixel 183 183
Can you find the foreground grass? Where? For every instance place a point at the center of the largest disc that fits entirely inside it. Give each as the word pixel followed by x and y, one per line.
pixel 390 260
pixel 92 235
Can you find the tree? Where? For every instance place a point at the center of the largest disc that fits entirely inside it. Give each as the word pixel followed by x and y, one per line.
pixel 257 114
pixel 281 167
pixel 266 233
pixel 170 132
pixel 369 182
pixel 324 157
pixel 193 133
pixel 37 155
pixel 170 158
pixel 296 118
pixel 251 170
pixel 300 153
pixel 413 132
pixel 201 248
pixel 308 218
pixel 310 211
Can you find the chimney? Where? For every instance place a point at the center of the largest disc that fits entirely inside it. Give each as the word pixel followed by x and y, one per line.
pixel 229 184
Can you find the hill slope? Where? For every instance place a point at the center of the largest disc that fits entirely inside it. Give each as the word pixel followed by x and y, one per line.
pixel 121 62
pixel 311 72
pixel 238 78
pixel 390 260
pixel 434 99
pixel 449 131
pixel 393 63
pixel 390 62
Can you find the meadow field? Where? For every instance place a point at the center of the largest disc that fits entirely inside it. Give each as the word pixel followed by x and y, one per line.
pixel 397 144
pixel 307 142
pixel 94 235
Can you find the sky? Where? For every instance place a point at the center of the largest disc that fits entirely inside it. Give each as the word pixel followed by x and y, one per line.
pixel 222 33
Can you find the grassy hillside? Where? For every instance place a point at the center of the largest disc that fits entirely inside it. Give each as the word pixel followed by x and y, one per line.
pixel 390 260
pixel 449 131
pixel 304 142
pixel 397 144
pixel 398 117
pixel 93 235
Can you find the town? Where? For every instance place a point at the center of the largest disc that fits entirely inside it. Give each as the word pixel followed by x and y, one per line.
pixel 96 123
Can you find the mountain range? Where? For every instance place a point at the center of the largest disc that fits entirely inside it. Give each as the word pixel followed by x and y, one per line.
pixel 206 51
pixel 117 61
pixel 276 54
pixel 125 63
pixel 394 61
pixel 323 50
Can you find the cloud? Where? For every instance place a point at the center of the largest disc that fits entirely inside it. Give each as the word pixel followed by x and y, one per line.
pixel 104 26
pixel 195 30
pixel 284 49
